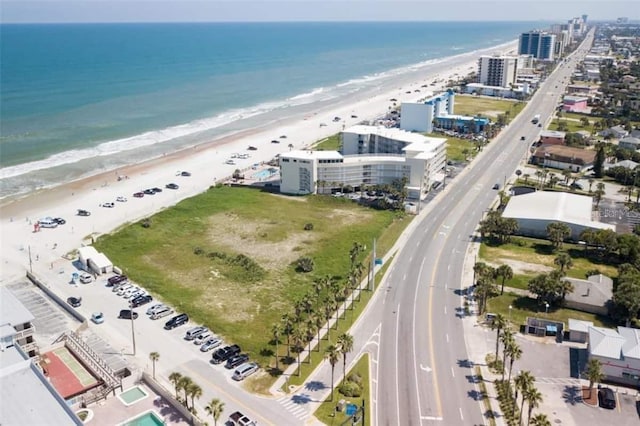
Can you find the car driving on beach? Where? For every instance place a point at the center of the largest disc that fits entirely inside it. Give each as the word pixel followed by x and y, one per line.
pixel 82 212
pixel 108 205
pixel 121 199
pixel 138 194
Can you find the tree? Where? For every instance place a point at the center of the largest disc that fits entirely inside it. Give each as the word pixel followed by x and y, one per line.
pixel 345 341
pixel 540 419
pixel 287 329
pixel 593 373
pixel 564 261
pixel 195 391
pixel 298 337
pixel 290 146
pixel 332 353
pixel 534 399
pixel 498 324
pixel 485 287
pixel 215 409
pixel 514 353
pixel 523 381
pixel 557 232
pixel 184 384
pixel 627 295
pixel 304 264
pixel 175 379
pixel 276 329
pixel 506 273
pixel 507 339
pixel 599 193
pixel 598 164
pixel 154 356
pixel 591 182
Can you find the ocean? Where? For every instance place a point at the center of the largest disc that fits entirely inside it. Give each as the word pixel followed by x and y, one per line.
pixel 83 98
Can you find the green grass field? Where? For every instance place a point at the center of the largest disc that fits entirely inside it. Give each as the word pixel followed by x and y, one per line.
pixel 487 107
pixel 266 228
pixel 456 146
pixel 327 413
pixel 332 143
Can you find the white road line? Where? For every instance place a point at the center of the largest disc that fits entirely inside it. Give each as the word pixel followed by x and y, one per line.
pixel 452 373
pixel 446 335
pixel 461 416
pixel 397 348
pixel 430 418
pixel 448 267
pixel 404 277
pixel 445 310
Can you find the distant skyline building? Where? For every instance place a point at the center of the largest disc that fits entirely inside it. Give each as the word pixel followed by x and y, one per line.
pixel 499 71
pixel 540 44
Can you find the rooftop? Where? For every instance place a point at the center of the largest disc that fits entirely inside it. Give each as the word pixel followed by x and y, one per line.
pixel 605 342
pixel 11 310
pixel 575 99
pixel 579 325
pixel 393 133
pixel 312 155
pixel 631 346
pixel 552 134
pixel 595 291
pixel 566 153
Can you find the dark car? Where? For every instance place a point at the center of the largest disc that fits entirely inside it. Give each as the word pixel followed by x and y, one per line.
pixel 172 186
pixel 59 220
pixel 149 191
pixel 576 185
pixel 176 321
pixel 252 148
pixel 522 138
pixel 606 398
pixel 82 212
pixel 138 194
pixel 127 314
pixel 236 360
pixel 496 186
pixel 75 301
pixel 116 279
pixel 223 354
pixel 156 189
pixel 275 141
pixel 185 174
pixel 140 300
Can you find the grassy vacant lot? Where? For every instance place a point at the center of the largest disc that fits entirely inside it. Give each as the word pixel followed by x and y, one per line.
pixel 478 105
pixel 455 146
pixel 238 301
pixel 572 126
pixel 327 414
pixel 332 143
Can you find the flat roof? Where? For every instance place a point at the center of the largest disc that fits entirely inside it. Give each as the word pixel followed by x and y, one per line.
pixel 353 159
pixel 87 252
pixel 312 155
pixel 579 325
pixel 26 398
pixel 12 310
pixel 554 207
pixel 393 133
pixel 552 134
pixel 575 98
pixel 101 260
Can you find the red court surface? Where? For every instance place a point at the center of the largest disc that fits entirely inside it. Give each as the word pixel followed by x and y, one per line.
pixel 61 377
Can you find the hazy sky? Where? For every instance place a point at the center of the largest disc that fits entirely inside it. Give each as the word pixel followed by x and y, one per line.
pixel 311 10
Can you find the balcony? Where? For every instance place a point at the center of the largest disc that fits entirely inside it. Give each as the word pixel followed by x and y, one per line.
pixel 22 334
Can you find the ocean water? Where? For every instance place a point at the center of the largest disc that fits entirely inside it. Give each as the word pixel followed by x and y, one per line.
pixel 79 99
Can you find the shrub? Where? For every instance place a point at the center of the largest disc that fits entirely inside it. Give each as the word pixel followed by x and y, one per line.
pixel 304 264
pixel 198 251
pixel 350 389
pixel 146 223
pixel 355 378
pixel 308 227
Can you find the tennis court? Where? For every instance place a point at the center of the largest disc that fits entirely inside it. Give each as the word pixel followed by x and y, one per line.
pixel 67 374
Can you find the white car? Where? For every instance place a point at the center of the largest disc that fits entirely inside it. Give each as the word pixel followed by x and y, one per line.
pixel 121 290
pixel 108 205
pixel 136 293
pixel 212 343
pixel 121 199
pixel 155 308
pixel 201 338
pixel 85 278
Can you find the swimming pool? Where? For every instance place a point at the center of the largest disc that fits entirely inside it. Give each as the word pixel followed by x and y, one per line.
pixel 264 174
pixel 133 395
pixel 148 418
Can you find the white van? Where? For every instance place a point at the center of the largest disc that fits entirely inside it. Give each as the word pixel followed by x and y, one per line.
pixel 47 222
pixel 160 313
pixel 122 289
pixel 245 370
pixel 201 338
pixel 85 278
pixel 195 332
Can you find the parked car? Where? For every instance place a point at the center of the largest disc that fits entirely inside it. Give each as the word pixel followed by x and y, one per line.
pixel 212 343
pixel 149 191
pixel 176 321
pixel 138 194
pixel 155 307
pixel 74 301
pixel 236 360
pixel 252 148
pixel 275 141
pixel 203 337
pixel 239 419
pixel 121 199
pixel 85 278
pixel 245 371
pixel 116 279
pixel 496 186
pixel 522 138
pixel 172 186
pixel 185 174
pixel 108 205
pixel 223 354
pixel 97 317
pixel 82 212
pixel 576 185
pixel 165 311
pixel 140 300
pixel 156 189
pixel 606 398
pixel 127 314
pixel 59 220
pixel 195 332
pixel 135 293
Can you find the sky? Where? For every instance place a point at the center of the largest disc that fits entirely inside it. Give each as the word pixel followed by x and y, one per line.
pixel 65 11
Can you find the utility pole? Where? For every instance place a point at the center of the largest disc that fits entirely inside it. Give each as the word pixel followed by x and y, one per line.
pixel 133 332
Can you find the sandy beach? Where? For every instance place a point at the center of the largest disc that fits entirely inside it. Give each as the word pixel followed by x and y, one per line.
pixel 206 163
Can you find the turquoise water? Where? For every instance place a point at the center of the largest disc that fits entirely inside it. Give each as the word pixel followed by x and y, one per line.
pixel 147 419
pixel 76 99
pixel 133 395
pixel 263 174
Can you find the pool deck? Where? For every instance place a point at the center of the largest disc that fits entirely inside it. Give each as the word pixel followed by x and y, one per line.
pixel 113 412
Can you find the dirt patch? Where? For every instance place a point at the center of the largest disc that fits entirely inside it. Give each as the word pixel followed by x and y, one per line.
pixel 520 267
pixel 590 396
pixel 348 217
pixel 492 113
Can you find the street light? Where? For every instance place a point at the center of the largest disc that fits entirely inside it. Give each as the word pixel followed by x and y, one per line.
pixel 546 308
pixel 510 307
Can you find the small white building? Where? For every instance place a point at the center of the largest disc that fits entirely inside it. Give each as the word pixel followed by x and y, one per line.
pixel 536 210
pixel 371 156
pixel 94 261
pixel 618 352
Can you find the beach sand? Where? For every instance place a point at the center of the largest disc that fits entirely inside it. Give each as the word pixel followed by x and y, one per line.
pixel 205 163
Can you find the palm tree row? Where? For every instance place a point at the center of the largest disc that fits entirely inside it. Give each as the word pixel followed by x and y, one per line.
pixel 188 386
pixel 485 280
pixel 317 308
pixel 333 352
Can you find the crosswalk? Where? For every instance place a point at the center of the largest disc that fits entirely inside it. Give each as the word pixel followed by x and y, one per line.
pixel 297 408
pixel 558 381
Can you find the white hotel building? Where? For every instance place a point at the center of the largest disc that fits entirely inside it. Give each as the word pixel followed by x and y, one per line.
pixel 370 156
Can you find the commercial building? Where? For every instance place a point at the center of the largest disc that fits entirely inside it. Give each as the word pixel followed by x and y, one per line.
pixel 563 157
pixel 14 315
pixel 518 91
pixel 536 210
pixel 552 137
pixel 370 156
pixel 575 104
pixel 618 352
pixel 497 71
pixel 537 43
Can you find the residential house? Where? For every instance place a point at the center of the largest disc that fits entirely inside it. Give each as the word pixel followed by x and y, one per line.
pixel 616 132
pixel 629 143
pixel 592 295
pixel 563 157
pixel 552 137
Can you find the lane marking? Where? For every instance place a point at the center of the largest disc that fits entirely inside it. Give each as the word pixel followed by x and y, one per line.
pixel 447 335
pixel 452 373
pixel 461 416
pixel 430 418
pixel 397 348
pixel 413 334
pixel 445 310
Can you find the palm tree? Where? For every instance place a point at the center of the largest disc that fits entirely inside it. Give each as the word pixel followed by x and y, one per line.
pixel 534 399
pixel 522 381
pixel 195 391
pixel 593 372
pixel 215 409
pixel 498 324
pixel 276 329
pixel 515 352
pixel 540 420
pixel 290 146
pixel 175 379
pixel 345 341
pixel 154 356
pixel 184 384
pixel 506 273
pixel 507 338
pixel 332 353
pixel 564 261
pixel 298 342
pixel 287 329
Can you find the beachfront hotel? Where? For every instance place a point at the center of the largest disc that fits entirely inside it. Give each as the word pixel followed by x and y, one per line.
pixel 499 71
pixel 370 156
pixel 540 44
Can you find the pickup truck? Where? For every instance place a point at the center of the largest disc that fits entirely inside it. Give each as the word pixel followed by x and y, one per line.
pixel 239 419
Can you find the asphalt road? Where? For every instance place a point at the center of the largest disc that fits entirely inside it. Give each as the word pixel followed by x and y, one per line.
pixel 419 355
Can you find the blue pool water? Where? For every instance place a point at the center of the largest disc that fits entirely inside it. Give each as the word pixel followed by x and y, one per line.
pixel 147 419
pixel 264 174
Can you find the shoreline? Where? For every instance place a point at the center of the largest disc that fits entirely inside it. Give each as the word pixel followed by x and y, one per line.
pixel 206 163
